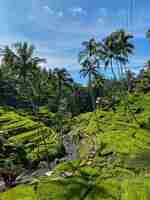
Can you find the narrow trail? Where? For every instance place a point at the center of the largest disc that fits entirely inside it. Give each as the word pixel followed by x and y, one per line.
pixel 70 148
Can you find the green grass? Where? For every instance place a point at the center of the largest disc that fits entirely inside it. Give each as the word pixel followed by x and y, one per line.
pixel 20 193
pixel 22 129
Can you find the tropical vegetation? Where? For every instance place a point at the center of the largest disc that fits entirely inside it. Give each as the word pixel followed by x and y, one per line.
pixel 62 140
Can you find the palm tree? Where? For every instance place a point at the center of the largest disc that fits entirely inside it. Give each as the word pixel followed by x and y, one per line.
pixel 116 49
pixel 62 79
pixel 21 59
pixel 124 48
pixel 90 63
pixel 107 53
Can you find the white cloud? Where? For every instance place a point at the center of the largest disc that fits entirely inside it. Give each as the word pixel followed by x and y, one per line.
pixel 61 61
pixel 78 11
pixel 48 9
pixel 53 12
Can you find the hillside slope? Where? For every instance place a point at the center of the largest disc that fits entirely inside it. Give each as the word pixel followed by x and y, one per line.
pixel 18 128
pixel 113 158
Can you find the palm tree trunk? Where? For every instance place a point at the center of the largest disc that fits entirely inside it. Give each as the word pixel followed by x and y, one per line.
pixel 91 92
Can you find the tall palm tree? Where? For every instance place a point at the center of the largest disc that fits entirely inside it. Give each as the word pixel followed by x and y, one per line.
pixel 90 63
pixel 21 58
pixel 107 53
pixel 62 79
pixel 124 47
pixel 116 49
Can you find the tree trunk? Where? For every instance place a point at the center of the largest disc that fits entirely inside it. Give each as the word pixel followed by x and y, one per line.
pixel 91 92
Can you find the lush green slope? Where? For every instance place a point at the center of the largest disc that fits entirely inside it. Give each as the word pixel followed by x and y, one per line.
pixel 17 128
pixel 114 158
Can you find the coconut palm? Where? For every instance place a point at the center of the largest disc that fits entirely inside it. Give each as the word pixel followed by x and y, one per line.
pixel 90 63
pixel 21 59
pixel 108 54
pixel 116 49
pixel 124 47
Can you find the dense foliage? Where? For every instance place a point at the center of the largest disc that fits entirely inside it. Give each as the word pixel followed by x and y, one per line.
pixel 62 140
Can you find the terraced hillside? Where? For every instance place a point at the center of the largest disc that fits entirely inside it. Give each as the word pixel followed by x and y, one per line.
pixel 35 136
pixel 114 132
pixel 113 158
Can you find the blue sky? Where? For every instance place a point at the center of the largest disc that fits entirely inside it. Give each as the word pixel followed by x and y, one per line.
pixel 58 27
